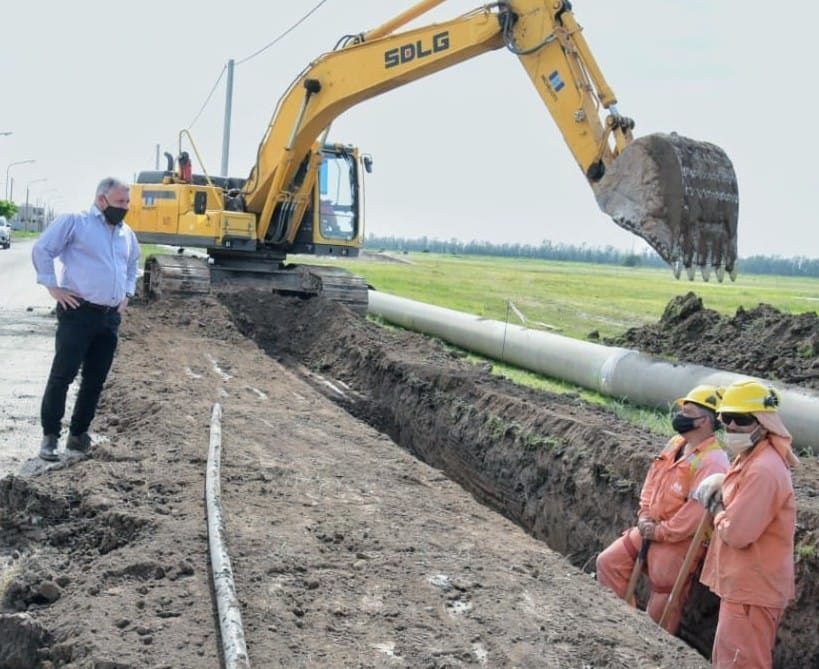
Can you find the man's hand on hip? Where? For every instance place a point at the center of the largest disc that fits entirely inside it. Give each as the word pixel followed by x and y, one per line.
pixel 65 298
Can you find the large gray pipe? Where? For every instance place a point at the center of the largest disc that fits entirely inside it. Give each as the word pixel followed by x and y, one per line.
pixel 612 371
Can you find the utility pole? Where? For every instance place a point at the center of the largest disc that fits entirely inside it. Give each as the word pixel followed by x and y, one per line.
pixel 19 162
pixel 157 158
pixel 226 131
pixel 28 213
pixel 6 133
pixel 43 220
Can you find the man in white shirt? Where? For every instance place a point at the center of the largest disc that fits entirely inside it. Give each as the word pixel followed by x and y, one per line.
pixel 100 257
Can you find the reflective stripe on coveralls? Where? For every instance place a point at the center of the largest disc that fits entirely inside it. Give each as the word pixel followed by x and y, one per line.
pixel 664 497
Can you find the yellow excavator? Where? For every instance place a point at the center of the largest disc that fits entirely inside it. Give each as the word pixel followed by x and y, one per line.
pixel 304 195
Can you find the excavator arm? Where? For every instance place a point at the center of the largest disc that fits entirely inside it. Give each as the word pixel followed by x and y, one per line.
pixel 337 81
pixel 678 194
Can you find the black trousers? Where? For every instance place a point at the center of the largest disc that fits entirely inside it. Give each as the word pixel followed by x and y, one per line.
pixel 87 338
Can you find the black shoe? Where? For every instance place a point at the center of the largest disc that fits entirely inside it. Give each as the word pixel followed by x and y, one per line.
pixel 79 443
pixel 48 448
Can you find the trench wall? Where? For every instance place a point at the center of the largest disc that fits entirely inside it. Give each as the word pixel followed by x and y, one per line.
pixel 566 471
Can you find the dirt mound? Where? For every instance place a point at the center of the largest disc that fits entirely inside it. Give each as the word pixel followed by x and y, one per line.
pixel 762 341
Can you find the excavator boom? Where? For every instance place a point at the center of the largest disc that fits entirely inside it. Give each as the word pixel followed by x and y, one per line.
pixel 678 194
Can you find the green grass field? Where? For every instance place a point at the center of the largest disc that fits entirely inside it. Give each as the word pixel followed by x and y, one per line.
pixel 575 298
pixel 153 249
pixel 23 234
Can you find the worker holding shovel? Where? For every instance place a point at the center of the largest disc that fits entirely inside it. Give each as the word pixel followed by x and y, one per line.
pixel 667 519
pixel 750 560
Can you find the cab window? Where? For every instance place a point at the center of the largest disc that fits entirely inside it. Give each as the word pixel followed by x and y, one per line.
pixel 337 198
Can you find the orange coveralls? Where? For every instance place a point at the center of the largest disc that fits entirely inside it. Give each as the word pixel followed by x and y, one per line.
pixel 664 499
pixel 750 560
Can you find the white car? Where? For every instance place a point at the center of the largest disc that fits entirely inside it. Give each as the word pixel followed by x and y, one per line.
pixel 5 233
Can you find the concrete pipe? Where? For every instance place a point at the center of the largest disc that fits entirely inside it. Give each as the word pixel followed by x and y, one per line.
pixel 613 371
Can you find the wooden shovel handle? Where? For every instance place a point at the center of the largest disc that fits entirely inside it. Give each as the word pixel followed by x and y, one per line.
pixel 682 577
pixel 635 572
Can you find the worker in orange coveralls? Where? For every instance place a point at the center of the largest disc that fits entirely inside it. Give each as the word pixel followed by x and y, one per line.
pixel 749 563
pixel 666 517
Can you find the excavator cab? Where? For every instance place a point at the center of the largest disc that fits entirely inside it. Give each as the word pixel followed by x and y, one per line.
pixel 334 222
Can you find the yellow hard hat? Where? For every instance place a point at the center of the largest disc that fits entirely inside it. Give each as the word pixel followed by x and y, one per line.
pixel 749 397
pixel 705 396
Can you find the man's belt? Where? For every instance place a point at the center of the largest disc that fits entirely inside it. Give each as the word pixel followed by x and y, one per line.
pixel 97 307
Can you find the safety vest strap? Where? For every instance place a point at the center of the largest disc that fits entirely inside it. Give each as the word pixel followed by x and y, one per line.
pixel 695 458
pixel 672 446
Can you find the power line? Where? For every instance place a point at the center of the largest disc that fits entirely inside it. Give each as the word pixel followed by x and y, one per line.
pixel 207 99
pixel 247 58
pixel 204 104
pixel 253 55
pixel 290 29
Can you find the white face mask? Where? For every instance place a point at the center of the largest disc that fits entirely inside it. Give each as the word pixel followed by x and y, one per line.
pixel 737 442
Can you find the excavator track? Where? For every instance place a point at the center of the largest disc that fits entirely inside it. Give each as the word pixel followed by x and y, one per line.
pixel 177 274
pixel 341 286
pixel 167 275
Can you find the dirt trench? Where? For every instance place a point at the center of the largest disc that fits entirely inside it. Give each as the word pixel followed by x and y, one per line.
pixel 348 551
pixel 567 472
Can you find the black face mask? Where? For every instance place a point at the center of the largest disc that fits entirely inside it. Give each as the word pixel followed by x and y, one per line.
pixel 114 215
pixel 682 423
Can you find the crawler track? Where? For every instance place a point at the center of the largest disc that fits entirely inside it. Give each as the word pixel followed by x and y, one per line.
pixel 184 276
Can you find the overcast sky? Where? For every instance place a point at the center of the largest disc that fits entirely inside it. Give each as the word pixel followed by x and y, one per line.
pixel 91 87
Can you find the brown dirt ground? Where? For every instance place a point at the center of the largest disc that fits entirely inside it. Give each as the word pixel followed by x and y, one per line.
pixel 347 448
pixel 762 341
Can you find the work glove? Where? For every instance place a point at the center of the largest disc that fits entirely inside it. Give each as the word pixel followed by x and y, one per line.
pixel 646 527
pixel 709 492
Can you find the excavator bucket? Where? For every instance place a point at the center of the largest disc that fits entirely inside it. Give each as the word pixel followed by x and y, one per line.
pixel 679 195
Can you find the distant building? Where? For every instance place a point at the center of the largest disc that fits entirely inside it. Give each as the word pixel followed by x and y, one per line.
pixel 29 217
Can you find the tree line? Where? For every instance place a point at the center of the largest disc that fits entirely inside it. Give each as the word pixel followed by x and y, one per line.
pixel 606 255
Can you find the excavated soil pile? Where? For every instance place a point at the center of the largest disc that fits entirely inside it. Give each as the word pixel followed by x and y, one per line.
pixel 761 341
pixel 567 472
pixel 348 551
